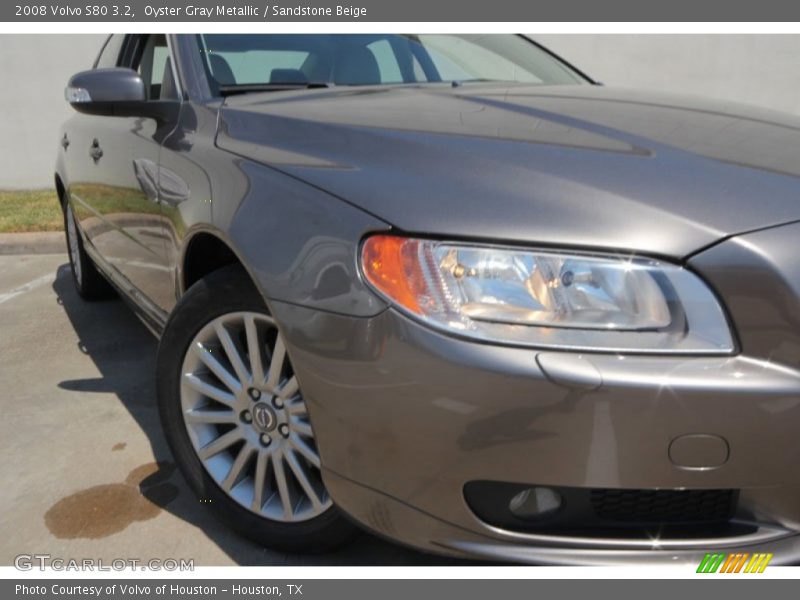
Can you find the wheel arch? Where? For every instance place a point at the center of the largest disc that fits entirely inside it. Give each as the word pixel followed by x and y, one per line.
pixel 204 252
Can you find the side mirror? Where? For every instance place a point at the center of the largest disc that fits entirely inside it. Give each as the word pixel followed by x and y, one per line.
pixel 115 92
pixel 96 92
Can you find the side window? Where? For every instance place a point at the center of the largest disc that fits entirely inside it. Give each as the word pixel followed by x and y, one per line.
pixel 155 68
pixel 109 55
pixel 388 66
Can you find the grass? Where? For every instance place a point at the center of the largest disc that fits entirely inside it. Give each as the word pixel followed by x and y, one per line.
pixel 30 210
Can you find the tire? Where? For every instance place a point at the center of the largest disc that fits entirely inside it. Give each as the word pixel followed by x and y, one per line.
pixel 222 436
pixel 91 285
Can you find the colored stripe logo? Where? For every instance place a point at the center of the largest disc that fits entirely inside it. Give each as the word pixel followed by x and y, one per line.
pixel 738 562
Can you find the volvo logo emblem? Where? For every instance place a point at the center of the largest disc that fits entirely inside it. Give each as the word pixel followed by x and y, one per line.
pixel 263 417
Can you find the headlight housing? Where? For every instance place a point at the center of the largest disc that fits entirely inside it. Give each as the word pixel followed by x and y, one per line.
pixel 548 299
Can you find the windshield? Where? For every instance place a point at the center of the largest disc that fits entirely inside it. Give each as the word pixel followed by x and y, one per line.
pixel 260 61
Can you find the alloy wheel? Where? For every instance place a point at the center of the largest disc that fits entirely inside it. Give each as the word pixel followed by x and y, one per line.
pixel 247 420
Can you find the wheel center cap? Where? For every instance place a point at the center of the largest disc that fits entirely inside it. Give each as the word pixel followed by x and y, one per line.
pixel 264 418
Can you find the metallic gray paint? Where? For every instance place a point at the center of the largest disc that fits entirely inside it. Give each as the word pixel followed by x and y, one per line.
pixel 565 164
pixel 405 416
pixel 108 85
pixel 494 413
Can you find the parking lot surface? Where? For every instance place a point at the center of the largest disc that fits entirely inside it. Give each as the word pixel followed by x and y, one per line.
pixel 86 472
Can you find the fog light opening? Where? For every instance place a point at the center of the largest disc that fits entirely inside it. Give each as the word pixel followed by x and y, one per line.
pixel 535 503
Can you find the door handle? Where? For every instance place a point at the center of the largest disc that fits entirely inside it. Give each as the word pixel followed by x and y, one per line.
pixel 65 142
pixel 96 152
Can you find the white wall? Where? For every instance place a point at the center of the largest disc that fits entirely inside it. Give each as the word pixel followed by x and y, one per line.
pixel 755 69
pixel 35 69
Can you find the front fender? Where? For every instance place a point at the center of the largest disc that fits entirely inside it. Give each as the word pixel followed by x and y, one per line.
pixel 299 243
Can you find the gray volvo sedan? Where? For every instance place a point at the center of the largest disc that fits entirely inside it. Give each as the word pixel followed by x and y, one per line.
pixel 450 289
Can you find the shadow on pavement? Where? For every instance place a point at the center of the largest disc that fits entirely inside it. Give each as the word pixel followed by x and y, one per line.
pixel 124 352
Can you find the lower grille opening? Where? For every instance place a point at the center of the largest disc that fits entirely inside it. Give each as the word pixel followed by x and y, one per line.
pixel 663 506
pixel 601 511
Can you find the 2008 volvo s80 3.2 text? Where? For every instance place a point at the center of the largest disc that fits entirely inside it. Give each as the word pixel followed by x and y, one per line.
pixel 451 289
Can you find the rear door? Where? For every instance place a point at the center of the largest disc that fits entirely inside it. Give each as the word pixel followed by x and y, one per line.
pixel 116 190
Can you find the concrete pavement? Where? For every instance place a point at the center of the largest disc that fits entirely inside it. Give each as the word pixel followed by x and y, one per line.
pixel 36 242
pixel 86 472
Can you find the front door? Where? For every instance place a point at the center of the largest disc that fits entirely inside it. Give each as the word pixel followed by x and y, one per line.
pixel 116 193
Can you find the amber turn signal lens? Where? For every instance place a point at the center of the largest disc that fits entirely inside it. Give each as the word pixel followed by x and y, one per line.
pixel 391 264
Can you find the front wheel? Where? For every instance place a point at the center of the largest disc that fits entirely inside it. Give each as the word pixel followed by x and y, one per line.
pixel 235 418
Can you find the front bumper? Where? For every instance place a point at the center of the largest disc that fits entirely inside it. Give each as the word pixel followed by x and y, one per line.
pixel 405 417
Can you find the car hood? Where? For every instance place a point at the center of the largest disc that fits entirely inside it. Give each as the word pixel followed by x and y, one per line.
pixel 581 166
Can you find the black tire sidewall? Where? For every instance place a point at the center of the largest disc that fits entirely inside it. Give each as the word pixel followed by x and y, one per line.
pixel 92 286
pixel 80 251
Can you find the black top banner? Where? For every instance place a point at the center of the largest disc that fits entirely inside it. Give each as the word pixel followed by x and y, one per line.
pixel 253 11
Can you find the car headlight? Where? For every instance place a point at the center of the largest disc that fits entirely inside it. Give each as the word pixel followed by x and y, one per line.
pixel 551 299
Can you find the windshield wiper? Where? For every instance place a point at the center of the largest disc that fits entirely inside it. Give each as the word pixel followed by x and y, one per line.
pixel 459 82
pixel 230 90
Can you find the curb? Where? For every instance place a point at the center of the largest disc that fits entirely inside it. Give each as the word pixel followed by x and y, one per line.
pixel 38 242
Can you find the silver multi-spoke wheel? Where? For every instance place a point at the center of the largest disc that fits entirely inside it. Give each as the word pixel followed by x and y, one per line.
pixel 247 420
pixel 72 242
